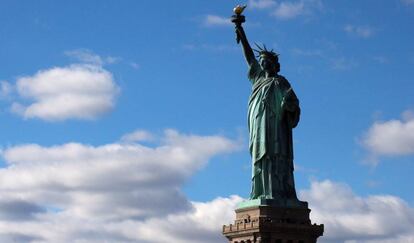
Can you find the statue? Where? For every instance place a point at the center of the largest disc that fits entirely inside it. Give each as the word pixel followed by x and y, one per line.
pixel 272 114
pixel 273 213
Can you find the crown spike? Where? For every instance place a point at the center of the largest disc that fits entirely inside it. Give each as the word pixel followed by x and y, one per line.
pixel 260 48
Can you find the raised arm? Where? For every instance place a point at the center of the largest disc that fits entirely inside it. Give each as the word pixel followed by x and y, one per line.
pixel 238 19
pixel 247 49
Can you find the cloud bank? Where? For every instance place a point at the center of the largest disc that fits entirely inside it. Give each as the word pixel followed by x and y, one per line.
pixel 128 192
pixel 350 218
pixel 119 192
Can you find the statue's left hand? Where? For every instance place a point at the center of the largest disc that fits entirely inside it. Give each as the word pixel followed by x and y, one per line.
pixel 289 102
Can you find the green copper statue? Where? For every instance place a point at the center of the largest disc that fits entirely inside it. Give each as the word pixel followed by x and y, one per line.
pixel 273 113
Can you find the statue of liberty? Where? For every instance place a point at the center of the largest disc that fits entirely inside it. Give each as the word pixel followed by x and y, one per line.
pixel 272 114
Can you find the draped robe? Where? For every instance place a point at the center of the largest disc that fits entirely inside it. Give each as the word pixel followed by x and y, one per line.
pixel 273 112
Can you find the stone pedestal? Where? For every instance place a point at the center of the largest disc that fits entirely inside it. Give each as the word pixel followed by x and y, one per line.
pixel 272 224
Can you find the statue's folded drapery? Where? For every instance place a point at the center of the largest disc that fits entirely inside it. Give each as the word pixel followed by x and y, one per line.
pixel 273 112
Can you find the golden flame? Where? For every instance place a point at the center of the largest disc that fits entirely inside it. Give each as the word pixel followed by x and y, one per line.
pixel 239 9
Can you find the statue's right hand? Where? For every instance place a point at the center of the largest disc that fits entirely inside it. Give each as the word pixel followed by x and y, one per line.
pixel 238 20
pixel 234 19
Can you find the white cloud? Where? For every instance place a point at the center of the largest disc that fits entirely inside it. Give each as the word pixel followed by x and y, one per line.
pixel 214 20
pixel 87 56
pixel 360 31
pixel 407 2
pixel 261 4
pixel 342 63
pixel 113 193
pixel 391 138
pixel 381 59
pixel 134 65
pixel 5 89
pixel 78 91
pixel 131 193
pixel 408 115
pixel 137 136
pixel 308 53
pixel 202 224
pixel 351 218
pixel 290 10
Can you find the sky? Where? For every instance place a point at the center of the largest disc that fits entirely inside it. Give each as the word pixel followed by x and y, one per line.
pixel 125 120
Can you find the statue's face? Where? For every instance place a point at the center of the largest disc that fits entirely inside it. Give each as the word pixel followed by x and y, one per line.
pixel 269 64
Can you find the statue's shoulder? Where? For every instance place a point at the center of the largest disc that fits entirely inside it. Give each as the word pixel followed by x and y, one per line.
pixel 282 80
pixel 281 77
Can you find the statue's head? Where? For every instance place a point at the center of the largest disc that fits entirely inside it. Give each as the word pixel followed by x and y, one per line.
pixel 268 60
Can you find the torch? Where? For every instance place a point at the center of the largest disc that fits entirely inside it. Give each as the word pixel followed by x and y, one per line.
pixel 238 18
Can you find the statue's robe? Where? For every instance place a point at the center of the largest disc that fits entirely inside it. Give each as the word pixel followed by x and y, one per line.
pixel 273 112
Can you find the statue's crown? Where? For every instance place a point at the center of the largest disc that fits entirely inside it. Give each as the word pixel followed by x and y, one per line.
pixel 264 52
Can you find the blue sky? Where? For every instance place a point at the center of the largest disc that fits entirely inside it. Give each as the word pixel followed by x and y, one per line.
pixel 146 101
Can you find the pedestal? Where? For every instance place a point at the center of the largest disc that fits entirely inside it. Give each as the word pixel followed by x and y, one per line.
pixel 272 224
